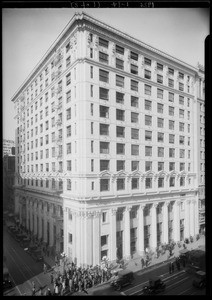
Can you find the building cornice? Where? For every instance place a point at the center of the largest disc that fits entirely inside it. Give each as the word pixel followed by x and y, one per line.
pixel 78 18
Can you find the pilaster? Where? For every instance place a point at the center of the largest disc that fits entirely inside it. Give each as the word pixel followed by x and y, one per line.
pixel 127 254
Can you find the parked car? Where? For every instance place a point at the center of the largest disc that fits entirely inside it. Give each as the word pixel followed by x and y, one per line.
pixel 7 281
pixel 37 255
pixel 200 279
pixel 124 277
pixel 156 285
pixel 31 249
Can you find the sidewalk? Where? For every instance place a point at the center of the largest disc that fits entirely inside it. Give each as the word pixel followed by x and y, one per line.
pixel 135 264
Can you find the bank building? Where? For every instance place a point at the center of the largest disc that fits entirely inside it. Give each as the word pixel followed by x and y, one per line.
pixel 107 145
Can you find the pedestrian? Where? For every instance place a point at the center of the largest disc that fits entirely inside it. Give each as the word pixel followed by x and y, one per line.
pixel 40 291
pixel 44 268
pixel 142 262
pixel 170 268
pixel 52 278
pixel 48 292
pixel 146 262
pixel 184 263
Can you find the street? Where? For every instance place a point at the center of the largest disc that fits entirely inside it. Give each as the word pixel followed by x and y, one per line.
pixel 22 268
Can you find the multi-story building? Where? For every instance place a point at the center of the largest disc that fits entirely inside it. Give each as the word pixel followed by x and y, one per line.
pixel 8 147
pixel 106 145
pixel 201 144
pixel 8 182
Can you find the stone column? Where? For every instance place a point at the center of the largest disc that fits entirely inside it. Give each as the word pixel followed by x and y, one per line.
pixel 78 238
pixel 191 218
pixel 27 215
pixel 35 217
pixel 141 229
pixel 88 238
pixel 196 217
pixel 187 218
pixel 30 216
pixel 153 230
pixel 51 227
pixel 127 254
pixel 40 220
pixel 96 238
pixel 45 223
pixel 112 240
pixel 165 222
pixel 176 221
pixel 16 203
pixel 74 240
pixel 65 228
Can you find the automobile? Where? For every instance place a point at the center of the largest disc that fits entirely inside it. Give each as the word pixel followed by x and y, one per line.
pixel 156 285
pixel 37 255
pixel 124 277
pixel 31 249
pixel 7 282
pixel 200 279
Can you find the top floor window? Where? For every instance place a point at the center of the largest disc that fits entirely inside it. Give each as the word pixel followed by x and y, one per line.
pixel 147 61
pixel 159 67
pixel 171 71
pixel 134 55
pixel 181 75
pixel 103 43
pixel 119 49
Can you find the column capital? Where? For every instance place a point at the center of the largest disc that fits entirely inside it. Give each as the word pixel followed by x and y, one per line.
pixel 166 203
pixel 142 206
pixel 188 201
pixel 154 205
pixel 128 208
pixel 96 213
pixel 113 211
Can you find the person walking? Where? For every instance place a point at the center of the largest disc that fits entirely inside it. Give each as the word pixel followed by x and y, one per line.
pixel 44 268
pixel 52 278
pixel 142 263
pixel 172 267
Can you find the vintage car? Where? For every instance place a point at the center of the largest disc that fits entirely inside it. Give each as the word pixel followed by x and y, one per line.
pixel 199 279
pixel 7 281
pixel 156 285
pixel 124 277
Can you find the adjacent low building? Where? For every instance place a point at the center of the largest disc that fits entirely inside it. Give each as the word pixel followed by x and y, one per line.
pixel 106 145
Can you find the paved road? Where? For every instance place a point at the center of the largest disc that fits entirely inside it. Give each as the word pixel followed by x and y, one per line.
pixel 22 268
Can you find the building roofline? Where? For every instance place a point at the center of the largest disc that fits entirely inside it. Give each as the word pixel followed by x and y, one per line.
pixel 96 21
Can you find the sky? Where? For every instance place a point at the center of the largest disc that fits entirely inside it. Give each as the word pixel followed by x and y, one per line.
pixel 28 33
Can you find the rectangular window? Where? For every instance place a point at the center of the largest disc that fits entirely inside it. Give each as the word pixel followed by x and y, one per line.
pixel 181 127
pixel 134 69
pixel 160 166
pixel 68 79
pixel 171 152
pixel 134 101
pixel 171 125
pixel 119 114
pixel 148 151
pixel 181 100
pixel 68 114
pixel 171 83
pixel 104 165
pixel 171 166
pixel 134 55
pixel 120 131
pixel 119 64
pixel 103 111
pixel 119 81
pixel 68 96
pixel 103 93
pixel 120 165
pixel 91 52
pixel 159 78
pixel 171 111
pixel 104 185
pixel 68 165
pixel 135 183
pixel 120 148
pixel 104 129
pixel 119 98
pixel 134 165
pixel 148 120
pixel 170 71
pixel 148 105
pixel 181 86
pixel 68 61
pixel 119 50
pixel 182 153
pixel 134 149
pixel 120 184
pixel 68 130
pixel 148 135
pixel 134 133
pixel 104 147
pixel 171 138
pixel 181 140
pixel 103 57
pixel 148 166
pixel 134 117
pixel 160 123
pixel 161 182
pixel 159 67
pixel 160 93
pixel 147 61
pixel 181 75
pixel 160 152
pixel 182 166
pixel 181 113
pixel 147 89
pixel 103 76
pixel 160 108
pixel 147 74
pixel 68 146
pixel 160 137
pixel 171 182
pixel 148 183
pixel 171 97
pixel 103 43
